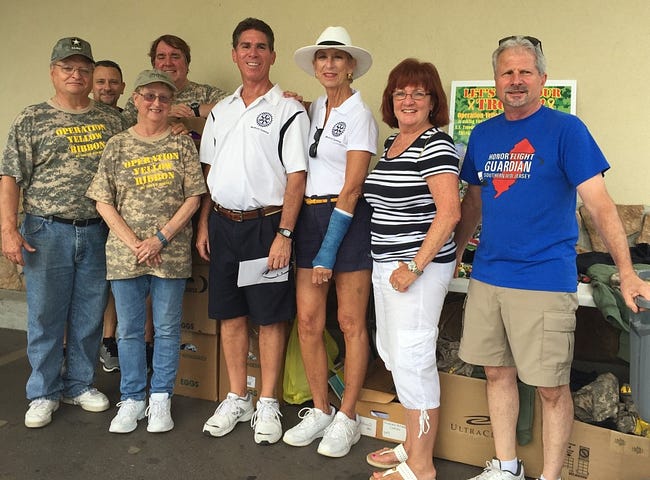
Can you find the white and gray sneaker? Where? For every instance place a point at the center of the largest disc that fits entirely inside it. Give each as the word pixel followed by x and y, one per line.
pixel 266 421
pixel 127 416
pixel 312 426
pixel 232 410
pixel 40 412
pixel 340 435
pixel 159 413
pixel 493 471
pixel 92 400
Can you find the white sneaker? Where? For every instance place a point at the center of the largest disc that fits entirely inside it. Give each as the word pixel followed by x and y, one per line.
pixel 340 435
pixel 91 400
pixel 313 425
pixel 127 416
pixel 232 410
pixel 159 413
pixel 493 472
pixel 40 412
pixel 266 421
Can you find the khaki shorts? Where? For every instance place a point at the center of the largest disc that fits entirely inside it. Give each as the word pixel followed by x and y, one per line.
pixel 527 329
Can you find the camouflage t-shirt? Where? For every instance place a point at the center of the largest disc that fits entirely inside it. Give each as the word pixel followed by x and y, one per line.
pixel 147 180
pixel 54 154
pixel 192 92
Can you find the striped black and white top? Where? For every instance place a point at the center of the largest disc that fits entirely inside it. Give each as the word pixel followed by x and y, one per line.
pixel 402 205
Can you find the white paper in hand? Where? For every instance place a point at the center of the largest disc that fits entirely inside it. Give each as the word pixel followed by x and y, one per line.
pixel 254 272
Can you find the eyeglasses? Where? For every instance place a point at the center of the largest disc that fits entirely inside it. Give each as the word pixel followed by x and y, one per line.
pixel 535 41
pixel 416 96
pixel 313 149
pixel 69 70
pixel 150 97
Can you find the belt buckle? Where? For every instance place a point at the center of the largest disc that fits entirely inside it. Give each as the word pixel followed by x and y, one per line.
pixel 239 215
pixel 79 223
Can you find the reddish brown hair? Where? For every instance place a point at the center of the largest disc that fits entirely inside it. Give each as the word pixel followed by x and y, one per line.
pixel 415 73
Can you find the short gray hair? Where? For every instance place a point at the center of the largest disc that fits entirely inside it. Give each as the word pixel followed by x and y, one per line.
pixel 522 42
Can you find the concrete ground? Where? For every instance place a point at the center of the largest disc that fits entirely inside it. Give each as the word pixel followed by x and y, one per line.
pixel 77 444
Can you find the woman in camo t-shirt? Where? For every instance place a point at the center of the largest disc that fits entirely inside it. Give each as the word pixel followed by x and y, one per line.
pixel 147 188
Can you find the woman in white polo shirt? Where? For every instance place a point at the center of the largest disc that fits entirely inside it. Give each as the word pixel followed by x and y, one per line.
pixel 333 237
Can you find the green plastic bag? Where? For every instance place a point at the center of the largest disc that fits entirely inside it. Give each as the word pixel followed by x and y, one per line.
pixel 295 388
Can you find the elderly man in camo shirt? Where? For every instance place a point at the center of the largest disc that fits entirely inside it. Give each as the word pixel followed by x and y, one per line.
pixel 51 155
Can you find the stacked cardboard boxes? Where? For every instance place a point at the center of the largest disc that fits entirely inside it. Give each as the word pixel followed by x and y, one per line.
pixel 199 354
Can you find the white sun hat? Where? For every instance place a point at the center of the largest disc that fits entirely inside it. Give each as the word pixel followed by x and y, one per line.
pixel 334 37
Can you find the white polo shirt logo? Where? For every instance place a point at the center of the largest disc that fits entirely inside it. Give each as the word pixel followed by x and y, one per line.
pixel 338 129
pixel 264 119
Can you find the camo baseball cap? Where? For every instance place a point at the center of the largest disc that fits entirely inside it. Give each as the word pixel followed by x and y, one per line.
pixel 66 47
pixel 152 76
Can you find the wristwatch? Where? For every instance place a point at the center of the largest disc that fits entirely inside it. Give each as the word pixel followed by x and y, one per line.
pixel 413 267
pixel 195 108
pixel 285 232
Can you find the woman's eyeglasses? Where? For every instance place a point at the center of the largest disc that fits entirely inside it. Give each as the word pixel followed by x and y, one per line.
pixel 313 148
pixel 150 97
pixel 416 96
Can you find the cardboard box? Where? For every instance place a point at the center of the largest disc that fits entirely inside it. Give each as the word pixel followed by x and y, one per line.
pixel 195 303
pixel 596 453
pixel 198 367
pixel 253 370
pixel 465 432
pixel 381 414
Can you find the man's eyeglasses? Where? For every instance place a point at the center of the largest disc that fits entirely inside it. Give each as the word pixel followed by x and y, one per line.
pixel 150 97
pixel 535 41
pixel 313 149
pixel 417 95
pixel 69 70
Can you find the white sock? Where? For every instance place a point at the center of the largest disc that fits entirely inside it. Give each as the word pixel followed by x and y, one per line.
pixel 510 465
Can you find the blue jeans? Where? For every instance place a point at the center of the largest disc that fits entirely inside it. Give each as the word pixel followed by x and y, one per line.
pixel 66 291
pixel 167 305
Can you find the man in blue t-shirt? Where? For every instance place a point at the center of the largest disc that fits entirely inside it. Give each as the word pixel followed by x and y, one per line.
pixel 524 168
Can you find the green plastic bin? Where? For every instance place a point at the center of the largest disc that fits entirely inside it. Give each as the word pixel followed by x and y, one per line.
pixel 640 354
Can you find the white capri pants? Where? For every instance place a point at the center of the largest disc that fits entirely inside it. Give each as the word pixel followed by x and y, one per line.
pixel 407 331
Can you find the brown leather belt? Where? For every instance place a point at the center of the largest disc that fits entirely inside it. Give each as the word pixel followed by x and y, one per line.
pixel 242 215
pixel 320 200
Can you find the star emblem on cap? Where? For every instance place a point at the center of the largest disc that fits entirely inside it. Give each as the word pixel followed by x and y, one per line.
pixel 76 42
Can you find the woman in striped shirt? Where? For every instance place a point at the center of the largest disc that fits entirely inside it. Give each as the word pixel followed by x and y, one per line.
pixel 413 191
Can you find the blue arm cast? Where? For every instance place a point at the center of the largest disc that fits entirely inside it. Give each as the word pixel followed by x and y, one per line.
pixel 339 224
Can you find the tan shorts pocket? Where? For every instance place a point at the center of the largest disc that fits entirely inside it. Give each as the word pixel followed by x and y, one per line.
pixel 558 341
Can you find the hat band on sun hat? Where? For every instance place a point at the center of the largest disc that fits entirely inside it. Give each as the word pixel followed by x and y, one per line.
pixel 337 38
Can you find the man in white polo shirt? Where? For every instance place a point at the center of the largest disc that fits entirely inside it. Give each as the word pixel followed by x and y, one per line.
pixel 254 146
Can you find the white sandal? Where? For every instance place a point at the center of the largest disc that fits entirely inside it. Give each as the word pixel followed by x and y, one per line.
pixel 400 454
pixel 403 469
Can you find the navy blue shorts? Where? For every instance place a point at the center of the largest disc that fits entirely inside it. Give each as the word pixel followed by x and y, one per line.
pixel 232 242
pixel 353 254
